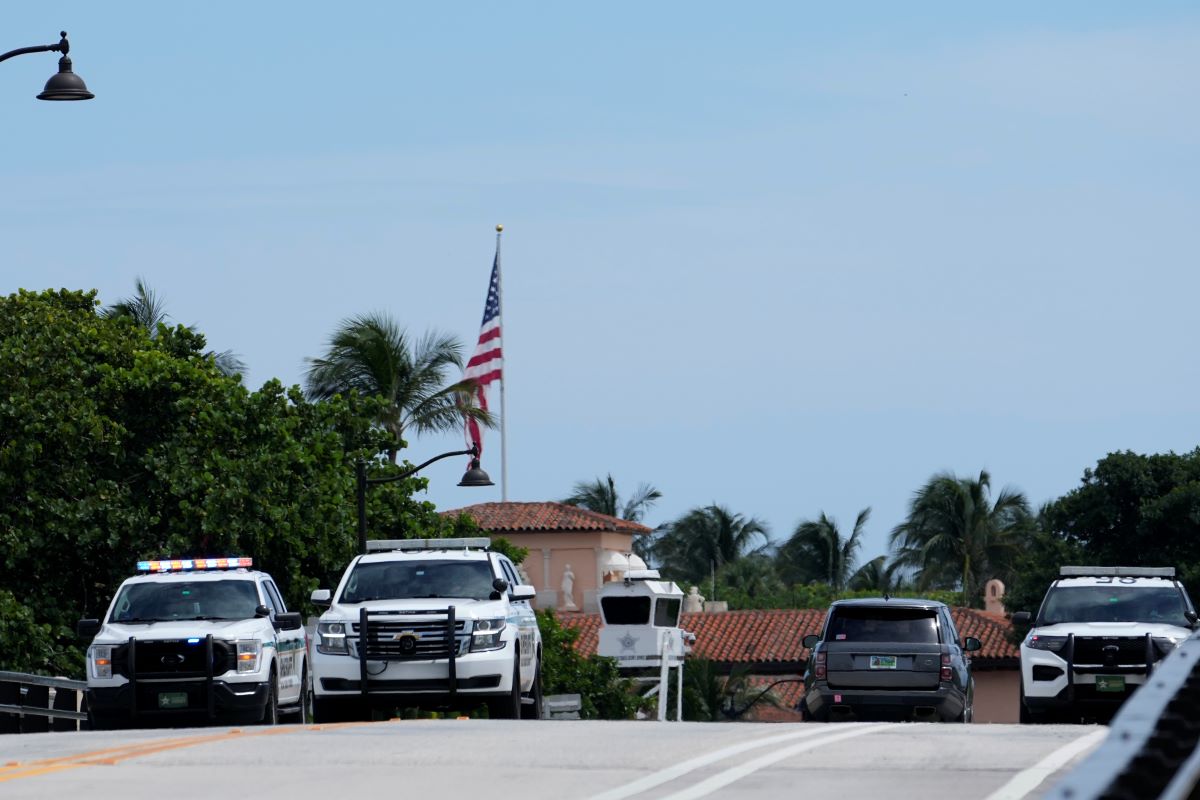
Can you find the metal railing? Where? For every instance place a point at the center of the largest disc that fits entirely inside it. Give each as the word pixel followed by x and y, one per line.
pixel 36 704
pixel 1151 749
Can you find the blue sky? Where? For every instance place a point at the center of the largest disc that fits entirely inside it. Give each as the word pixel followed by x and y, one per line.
pixel 789 258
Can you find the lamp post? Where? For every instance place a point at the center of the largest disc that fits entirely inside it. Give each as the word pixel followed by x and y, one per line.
pixel 474 476
pixel 65 84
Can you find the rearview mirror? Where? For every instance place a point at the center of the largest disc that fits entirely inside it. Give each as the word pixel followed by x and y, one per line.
pixel 87 628
pixel 523 591
pixel 321 597
pixel 1191 617
pixel 1021 618
pixel 811 640
pixel 971 644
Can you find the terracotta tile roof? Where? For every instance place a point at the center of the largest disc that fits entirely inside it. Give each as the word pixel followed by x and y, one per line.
pixel 544 517
pixel 774 636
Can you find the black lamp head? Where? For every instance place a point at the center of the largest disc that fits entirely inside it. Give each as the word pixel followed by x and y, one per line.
pixel 65 84
pixel 475 476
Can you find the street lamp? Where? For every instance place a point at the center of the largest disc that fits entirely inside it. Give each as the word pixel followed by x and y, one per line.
pixel 65 84
pixel 474 476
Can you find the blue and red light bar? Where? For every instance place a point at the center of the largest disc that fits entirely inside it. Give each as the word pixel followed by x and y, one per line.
pixel 184 564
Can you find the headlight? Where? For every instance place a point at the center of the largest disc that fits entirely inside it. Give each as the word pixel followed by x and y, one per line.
pixel 1051 643
pixel 248 653
pixel 100 657
pixel 331 638
pixel 486 633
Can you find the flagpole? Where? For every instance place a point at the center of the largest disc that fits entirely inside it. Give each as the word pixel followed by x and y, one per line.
pixel 503 377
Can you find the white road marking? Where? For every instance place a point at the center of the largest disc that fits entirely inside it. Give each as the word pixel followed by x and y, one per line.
pixel 731 775
pixel 684 767
pixel 1027 780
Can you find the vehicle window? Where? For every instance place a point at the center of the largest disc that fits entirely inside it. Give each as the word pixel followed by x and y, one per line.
pixel 952 634
pixel 274 596
pixel 162 601
pixel 510 574
pixel 626 610
pixel 666 612
pixel 1158 604
pixel 872 624
pixel 397 580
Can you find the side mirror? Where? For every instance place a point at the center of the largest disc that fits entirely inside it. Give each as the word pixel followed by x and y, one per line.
pixel 321 597
pixel 523 591
pixel 971 644
pixel 87 628
pixel 811 640
pixel 1022 618
pixel 262 611
pixel 288 622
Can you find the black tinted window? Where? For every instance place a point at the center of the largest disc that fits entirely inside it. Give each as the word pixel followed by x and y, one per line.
pixel 1115 604
pixel 167 600
pixel 873 624
pixel 626 610
pixel 666 612
pixel 396 580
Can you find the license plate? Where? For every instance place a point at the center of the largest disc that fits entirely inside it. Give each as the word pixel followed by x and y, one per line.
pixel 1110 683
pixel 172 699
pixel 883 662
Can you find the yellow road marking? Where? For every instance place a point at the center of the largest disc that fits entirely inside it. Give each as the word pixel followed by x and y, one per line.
pixel 110 756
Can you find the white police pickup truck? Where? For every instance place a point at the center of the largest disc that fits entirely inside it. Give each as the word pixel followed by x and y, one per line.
pixel 1098 635
pixel 197 640
pixel 427 623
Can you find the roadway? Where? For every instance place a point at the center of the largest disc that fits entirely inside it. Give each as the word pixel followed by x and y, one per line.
pixel 555 760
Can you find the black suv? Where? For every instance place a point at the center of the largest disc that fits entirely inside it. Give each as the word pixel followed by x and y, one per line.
pixel 888 659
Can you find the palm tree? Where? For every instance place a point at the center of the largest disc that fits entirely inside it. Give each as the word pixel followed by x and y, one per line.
pixel 371 354
pixel 705 539
pixel 877 575
pixel 147 311
pixel 601 496
pixel 817 550
pixel 955 535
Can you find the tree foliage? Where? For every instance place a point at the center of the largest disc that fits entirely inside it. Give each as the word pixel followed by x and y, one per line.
pixel 374 356
pixel 817 550
pixel 706 539
pixel 955 535
pixel 116 445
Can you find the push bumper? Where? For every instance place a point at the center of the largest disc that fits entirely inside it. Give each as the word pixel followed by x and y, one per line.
pixel 475 674
pixel 148 700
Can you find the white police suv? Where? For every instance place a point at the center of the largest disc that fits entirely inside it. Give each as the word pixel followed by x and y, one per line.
pixel 427 623
pixel 201 639
pixel 1098 635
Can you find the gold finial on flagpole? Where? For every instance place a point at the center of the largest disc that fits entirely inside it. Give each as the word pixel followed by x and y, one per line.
pixel 499 228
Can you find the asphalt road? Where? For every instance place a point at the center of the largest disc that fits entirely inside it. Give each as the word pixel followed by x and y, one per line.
pixel 556 760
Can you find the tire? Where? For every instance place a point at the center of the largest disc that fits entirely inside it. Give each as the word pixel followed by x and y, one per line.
pixel 1026 715
pixel 301 713
pixel 336 710
pixel 534 710
pixel 270 715
pixel 509 706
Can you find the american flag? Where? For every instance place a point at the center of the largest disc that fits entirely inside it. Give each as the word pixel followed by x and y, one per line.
pixel 486 365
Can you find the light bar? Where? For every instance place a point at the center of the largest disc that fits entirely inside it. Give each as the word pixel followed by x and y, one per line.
pixel 478 542
pixel 184 564
pixel 1116 572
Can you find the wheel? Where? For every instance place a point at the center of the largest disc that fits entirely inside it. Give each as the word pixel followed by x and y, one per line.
pixel 1028 716
pixel 805 716
pixel 509 706
pixel 302 712
pixel 336 709
pixel 270 714
pixel 534 710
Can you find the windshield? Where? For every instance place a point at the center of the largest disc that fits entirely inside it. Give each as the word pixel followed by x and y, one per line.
pixel 170 600
pixel 1159 604
pixel 873 624
pixel 395 580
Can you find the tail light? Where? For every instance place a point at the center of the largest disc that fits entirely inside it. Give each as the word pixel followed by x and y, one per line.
pixel 947 673
pixel 819 666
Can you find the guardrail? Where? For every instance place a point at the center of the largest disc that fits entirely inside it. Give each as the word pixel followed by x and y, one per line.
pixel 1151 748
pixel 27 704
